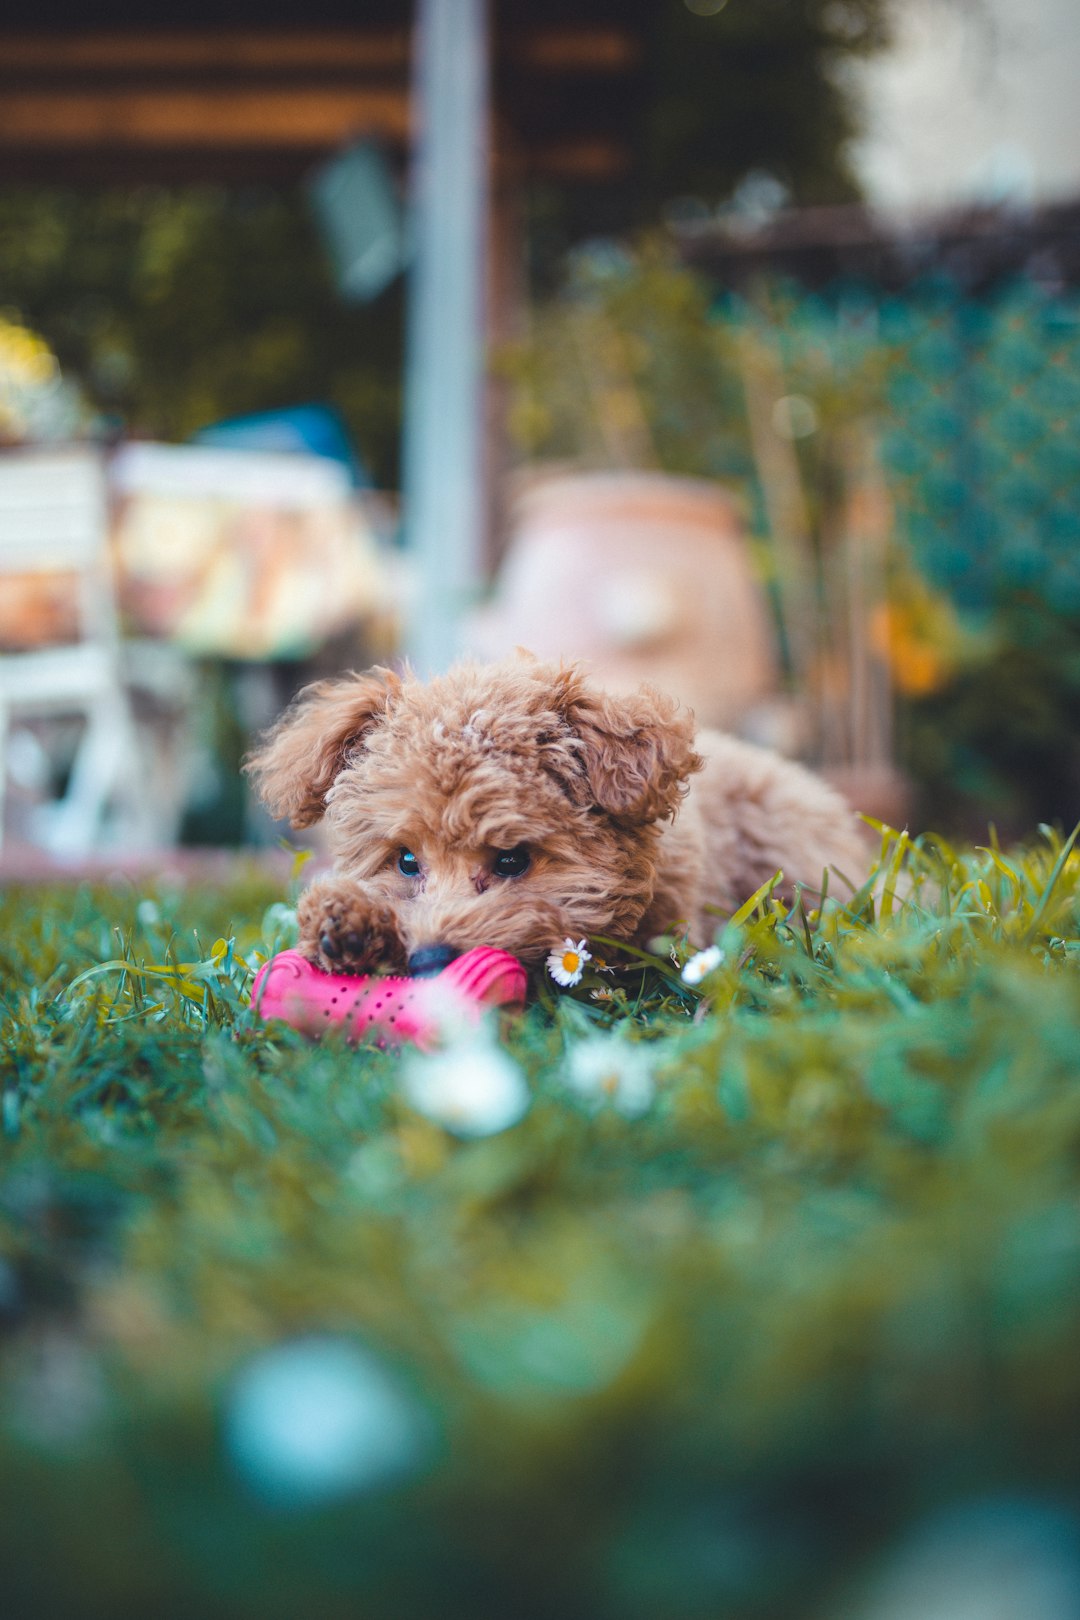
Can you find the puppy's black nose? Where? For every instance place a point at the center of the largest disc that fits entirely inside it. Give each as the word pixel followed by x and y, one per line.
pixel 430 959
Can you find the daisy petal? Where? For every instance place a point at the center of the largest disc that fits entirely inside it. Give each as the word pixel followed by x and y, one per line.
pixel 566 963
pixel 702 964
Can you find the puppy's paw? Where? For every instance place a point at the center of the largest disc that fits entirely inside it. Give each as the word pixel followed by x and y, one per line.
pixel 343 930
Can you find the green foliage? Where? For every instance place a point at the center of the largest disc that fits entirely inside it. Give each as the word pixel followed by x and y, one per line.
pixel 625 367
pixel 176 307
pixel 695 1359
pixel 756 87
pixel 1002 733
pixel 635 361
pixel 981 396
pixel 752 87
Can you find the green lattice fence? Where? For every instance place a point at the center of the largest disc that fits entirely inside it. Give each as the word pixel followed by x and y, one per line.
pixel 982 440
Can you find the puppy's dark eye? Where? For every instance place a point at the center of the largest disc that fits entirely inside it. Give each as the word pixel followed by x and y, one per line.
pixel 511 862
pixel 408 864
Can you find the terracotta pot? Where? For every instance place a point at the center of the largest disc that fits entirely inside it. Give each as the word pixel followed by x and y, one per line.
pixel 645 577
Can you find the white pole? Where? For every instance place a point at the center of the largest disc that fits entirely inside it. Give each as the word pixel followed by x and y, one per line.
pixel 444 363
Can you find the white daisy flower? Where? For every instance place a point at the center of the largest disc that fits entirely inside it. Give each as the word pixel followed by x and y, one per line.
pixel 473 1088
pixel 701 964
pixel 610 1069
pixel 566 963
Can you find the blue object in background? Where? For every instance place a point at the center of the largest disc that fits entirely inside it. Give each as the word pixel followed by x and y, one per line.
pixel 361 220
pixel 314 430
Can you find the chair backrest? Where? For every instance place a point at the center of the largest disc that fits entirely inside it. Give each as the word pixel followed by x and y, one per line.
pixel 54 520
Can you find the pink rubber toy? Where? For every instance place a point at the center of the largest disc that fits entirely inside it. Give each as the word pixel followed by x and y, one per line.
pixel 402 1009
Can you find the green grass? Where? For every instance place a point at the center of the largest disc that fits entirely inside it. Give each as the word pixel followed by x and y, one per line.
pixel 703 1359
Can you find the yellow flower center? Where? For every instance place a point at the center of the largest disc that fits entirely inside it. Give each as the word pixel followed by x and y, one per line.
pixel 571 961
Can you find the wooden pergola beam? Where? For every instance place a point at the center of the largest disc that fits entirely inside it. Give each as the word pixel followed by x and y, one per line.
pixel 574 50
pixel 223 119
pixel 583 160
pixel 541 50
pixel 210 117
pixel 176 51
pixel 281 97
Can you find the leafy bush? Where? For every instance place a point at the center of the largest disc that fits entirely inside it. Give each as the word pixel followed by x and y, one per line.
pixel 275 1342
pixel 173 308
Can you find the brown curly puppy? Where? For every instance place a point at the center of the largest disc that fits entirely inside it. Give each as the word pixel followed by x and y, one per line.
pixel 513 805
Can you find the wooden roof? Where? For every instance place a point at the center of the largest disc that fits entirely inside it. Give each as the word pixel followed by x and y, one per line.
pixel 975 246
pixel 224 94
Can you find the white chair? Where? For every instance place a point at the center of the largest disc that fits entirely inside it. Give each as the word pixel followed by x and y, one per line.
pixel 54 520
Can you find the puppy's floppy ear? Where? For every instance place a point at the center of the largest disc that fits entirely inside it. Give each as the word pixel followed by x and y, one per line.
pixel 300 757
pixel 635 753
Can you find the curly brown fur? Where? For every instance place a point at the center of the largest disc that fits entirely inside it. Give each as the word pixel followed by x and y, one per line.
pixel 303 755
pixel 489 758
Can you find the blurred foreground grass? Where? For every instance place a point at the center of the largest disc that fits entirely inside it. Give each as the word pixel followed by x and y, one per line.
pixel 769 1269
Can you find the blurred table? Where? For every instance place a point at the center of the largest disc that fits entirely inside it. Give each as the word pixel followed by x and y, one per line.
pixel 240 554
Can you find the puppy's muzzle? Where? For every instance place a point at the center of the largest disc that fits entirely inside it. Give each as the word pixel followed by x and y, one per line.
pixel 430 959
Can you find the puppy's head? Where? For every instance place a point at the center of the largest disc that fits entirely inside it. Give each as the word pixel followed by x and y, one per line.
pixel 508 804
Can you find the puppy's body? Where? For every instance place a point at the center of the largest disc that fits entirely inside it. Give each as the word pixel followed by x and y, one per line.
pixel 512 805
pixel 748 815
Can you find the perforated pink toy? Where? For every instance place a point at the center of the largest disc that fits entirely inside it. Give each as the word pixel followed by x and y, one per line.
pixel 291 988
